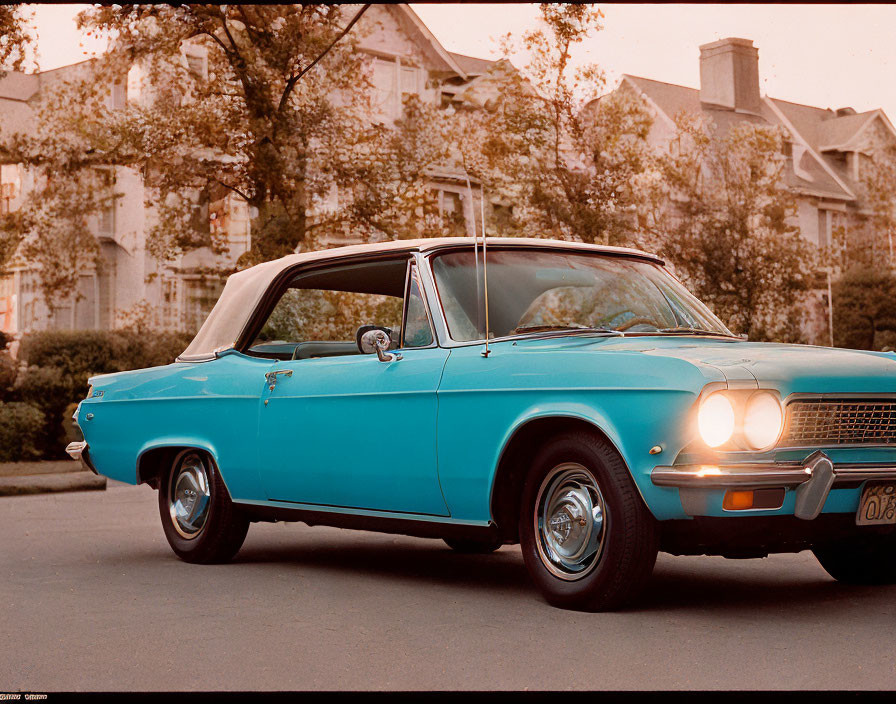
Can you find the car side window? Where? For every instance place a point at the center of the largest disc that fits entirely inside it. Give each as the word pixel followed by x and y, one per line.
pixel 417 331
pixel 323 311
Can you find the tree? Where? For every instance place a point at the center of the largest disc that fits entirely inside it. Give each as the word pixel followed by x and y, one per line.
pixel 724 217
pixel 16 38
pixel 271 104
pixel 567 161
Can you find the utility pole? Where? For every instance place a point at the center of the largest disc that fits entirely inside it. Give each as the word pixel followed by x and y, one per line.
pixel 830 309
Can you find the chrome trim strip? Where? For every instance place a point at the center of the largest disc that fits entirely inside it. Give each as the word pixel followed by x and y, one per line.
pixel 373 513
pixel 743 476
pixel 759 476
pixel 436 314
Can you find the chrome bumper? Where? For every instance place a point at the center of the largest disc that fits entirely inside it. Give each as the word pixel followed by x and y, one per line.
pixel 812 478
pixel 78 451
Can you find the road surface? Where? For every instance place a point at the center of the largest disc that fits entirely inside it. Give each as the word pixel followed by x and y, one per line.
pixel 93 599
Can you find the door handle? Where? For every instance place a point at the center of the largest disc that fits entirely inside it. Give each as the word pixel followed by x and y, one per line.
pixel 271 377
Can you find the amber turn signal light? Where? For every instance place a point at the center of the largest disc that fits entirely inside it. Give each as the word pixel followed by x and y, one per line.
pixel 755 498
pixel 737 500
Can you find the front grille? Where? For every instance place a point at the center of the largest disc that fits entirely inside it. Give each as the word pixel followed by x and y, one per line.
pixel 825 422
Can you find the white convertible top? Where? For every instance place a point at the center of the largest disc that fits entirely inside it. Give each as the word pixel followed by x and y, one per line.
pixel 245 289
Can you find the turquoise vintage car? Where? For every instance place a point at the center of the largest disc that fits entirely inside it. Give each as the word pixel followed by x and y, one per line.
pixel 609 415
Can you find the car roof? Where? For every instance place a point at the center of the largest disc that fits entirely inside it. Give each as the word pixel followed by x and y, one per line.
pixel 245 289
pixel 429 244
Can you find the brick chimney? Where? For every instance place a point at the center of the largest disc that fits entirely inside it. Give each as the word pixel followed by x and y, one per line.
pixel 729 75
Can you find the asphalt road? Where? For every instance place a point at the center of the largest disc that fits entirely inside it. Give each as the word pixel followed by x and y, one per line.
pixel 91 598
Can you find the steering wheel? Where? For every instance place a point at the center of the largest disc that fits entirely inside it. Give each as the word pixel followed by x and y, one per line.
pixel 635 321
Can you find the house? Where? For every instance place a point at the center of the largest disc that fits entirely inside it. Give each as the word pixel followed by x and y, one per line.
pixel 128 280
pixel 828 148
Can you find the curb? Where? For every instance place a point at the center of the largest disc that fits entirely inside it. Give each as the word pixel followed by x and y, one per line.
pixel 51 483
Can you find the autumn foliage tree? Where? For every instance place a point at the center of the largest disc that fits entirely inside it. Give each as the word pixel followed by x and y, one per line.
pixel 722 214
pixel 565 160
pixel 16 38
pixel 272 104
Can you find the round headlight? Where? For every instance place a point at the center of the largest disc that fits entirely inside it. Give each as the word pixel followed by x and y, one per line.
pixel 715 420
pixel 763 420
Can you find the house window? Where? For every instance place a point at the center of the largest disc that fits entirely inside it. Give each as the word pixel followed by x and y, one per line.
pixel 107 219
pixel 392 81
pixel 410 80
pixel 106 215
pixel 8 301
pixel 119 96
pixel 384 80
pixel 9 187
pixel 199 297
pixel 828 223
pixel 452 212
pixel 196 67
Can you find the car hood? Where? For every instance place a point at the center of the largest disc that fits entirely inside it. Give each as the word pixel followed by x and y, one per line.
pixel 788 368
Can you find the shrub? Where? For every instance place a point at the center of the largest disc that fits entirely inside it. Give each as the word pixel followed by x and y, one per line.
pixel 50 391
pixel 21 427
pixel 99 351
pixel 864 309
pixel 59 363
pixel 7 375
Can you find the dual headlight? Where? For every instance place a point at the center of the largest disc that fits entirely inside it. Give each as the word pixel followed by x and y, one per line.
pixel 754 419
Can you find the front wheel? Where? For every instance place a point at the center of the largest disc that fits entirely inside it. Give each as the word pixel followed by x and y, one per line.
pixel 198 517
pixel 587 538
pixel 870 560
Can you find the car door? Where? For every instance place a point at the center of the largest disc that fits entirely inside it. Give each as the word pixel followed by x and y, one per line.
pixel 353 431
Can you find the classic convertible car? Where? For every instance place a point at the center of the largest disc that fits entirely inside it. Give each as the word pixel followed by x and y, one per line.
pixel 608 414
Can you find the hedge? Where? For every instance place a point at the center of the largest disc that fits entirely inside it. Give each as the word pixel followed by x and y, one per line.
pixel 21 426
pixel 88 352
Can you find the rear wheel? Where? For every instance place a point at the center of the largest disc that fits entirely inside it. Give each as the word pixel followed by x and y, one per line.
pixel 587 538
pixel 480 547
pixel 198 517
pixel 866 560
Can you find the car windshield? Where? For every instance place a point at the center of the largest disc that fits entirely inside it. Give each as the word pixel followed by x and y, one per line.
pixel 532 291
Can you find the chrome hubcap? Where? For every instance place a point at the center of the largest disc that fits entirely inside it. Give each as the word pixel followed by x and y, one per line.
pixel 189 496
pixel 570 521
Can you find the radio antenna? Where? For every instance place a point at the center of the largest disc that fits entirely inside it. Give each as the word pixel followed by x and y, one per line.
pixel 479 320
pixel 486 351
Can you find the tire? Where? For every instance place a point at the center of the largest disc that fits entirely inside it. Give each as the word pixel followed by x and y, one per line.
pixel 472 547
pixel 208 535
pixel 864 561
pixel 602 550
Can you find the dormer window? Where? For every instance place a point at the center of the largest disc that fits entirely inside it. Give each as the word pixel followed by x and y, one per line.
pixel 393 79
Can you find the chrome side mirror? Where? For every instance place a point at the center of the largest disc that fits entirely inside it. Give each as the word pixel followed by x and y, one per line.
pixel 378 341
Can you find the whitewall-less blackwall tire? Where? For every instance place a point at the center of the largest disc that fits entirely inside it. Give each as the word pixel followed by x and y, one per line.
pixel 199 520
pixel 587 538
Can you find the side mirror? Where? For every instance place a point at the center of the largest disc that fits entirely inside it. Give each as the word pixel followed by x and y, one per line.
pixel 378 341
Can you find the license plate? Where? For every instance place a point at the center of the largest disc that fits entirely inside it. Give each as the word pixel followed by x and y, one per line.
pixel 878 505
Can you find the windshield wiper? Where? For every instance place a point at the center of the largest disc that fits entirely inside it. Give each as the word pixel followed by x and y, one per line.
pixel 685 330
pixel 572 327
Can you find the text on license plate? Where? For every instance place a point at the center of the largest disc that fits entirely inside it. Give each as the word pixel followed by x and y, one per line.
pixel 877 505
